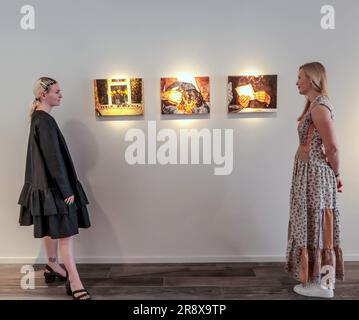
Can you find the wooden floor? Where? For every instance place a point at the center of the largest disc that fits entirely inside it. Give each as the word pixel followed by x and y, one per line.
pixel 170 281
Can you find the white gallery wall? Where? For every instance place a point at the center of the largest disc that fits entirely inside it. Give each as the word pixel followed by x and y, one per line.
pixel 176 213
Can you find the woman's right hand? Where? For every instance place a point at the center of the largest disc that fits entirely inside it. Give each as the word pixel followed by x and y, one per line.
pixel 339 184
pixel 70 200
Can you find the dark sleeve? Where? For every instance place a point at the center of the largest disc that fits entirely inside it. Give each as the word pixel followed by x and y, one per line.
pixel 54 159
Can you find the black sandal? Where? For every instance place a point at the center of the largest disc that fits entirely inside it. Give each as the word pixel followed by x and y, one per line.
pixel 78 297
pixel 73 293
pixel 51 276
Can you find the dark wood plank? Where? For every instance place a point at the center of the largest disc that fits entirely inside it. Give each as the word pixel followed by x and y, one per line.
pixel 195 281
pixel 156 293
pixel 175 281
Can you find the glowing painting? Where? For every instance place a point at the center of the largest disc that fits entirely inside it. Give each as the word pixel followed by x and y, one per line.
pixel 185 95
pixel 252 93
pixel 119 97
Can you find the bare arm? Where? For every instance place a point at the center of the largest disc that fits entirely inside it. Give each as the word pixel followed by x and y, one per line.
pixel 324 124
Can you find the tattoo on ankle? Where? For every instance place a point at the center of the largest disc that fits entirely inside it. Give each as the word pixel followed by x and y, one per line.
pixel 51 259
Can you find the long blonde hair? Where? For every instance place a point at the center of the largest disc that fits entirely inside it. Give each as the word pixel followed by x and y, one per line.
pixel 41 85
pixel 316 72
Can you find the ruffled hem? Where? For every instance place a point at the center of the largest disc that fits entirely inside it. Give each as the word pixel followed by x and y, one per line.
pixel 49 214
pixel 306 260
pixel 306 264
pixel 48 202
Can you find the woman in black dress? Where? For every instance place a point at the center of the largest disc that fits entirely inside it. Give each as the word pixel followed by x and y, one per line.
pixel 52 198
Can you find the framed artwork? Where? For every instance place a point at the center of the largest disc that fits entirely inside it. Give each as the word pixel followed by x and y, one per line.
pixel 252 93
pixel 185 95
pixel 119 97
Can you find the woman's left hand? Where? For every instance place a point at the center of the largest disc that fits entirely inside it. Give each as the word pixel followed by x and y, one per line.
pixel 70 200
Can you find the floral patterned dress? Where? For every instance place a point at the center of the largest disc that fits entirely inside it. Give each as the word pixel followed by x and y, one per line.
pixel 313 231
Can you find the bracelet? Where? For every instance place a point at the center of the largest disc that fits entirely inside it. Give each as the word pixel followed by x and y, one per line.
pixel 337 175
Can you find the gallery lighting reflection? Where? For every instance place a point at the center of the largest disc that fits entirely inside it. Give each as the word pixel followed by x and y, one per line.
pixel 119 76
pixel 181 123
pixel 250 72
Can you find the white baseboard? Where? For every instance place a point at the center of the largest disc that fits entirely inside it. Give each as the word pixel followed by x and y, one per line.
pixel 179 259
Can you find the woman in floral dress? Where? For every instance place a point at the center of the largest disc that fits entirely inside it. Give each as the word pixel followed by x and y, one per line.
pixel 314 254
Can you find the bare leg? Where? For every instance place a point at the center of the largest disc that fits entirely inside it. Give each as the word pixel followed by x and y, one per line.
pixel 67 254
pixel 51 251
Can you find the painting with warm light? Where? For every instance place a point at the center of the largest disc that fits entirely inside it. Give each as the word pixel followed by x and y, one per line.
pixel 185 95
pixel 252 93
pixel 119 97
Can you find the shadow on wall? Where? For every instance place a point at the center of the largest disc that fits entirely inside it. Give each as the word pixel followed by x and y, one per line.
pixel 84 152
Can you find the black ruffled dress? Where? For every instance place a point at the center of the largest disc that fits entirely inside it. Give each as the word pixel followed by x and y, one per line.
pixel 50 178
